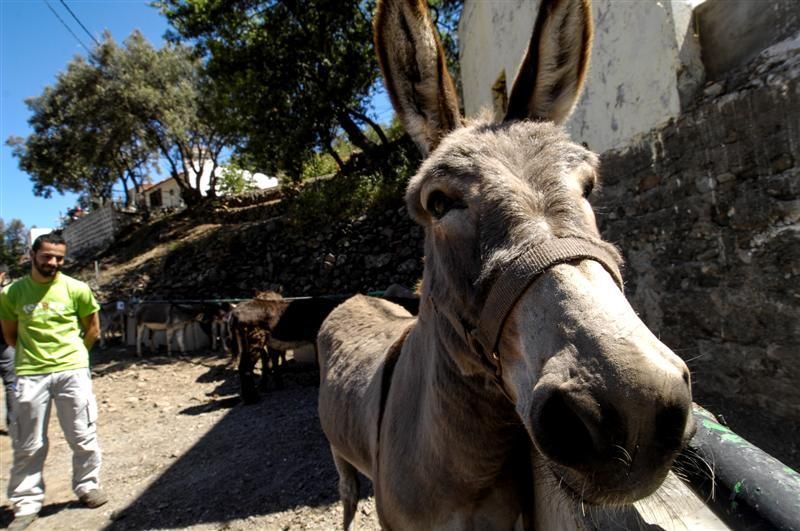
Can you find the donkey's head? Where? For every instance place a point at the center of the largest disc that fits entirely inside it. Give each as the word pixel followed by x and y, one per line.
pixel 517 279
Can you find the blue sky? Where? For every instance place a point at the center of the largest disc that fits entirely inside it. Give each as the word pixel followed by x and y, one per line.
pixel 34 47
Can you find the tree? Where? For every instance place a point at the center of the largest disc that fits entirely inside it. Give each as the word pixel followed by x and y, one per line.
pixel 112 116
pixel 13 242
pixel 293 72
pixel 166 92
pixel 234 179
pixel 296 73
pixel 81 141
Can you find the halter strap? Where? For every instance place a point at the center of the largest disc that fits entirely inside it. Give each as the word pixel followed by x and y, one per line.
pixel 519 274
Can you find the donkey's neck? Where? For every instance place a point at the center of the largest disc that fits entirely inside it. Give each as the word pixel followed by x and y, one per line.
pixel 462 420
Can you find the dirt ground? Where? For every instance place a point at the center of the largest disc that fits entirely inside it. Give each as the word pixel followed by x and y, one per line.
pixel 180 451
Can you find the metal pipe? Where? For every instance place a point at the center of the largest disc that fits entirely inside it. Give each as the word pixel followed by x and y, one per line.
pixel 746 487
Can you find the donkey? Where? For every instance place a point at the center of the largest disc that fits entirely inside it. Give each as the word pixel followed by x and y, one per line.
pixel 527 388
pixel 266 327
pixel 171 318
pixel 221 326
pixel 112 320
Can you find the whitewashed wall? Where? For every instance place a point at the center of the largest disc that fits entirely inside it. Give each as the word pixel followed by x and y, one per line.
pixel 645 56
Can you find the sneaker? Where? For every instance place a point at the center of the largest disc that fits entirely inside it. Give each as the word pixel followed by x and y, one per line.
pixel 93 499
pixel 22 522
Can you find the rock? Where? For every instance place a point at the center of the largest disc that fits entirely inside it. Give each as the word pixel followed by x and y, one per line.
pixel 713 90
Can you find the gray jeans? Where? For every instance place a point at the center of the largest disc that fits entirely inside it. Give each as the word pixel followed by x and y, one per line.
pixel 71 391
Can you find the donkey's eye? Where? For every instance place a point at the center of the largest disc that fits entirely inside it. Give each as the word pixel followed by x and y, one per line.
pixel 440 204
pixel 588 186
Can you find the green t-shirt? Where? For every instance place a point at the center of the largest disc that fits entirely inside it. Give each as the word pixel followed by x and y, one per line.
pixel 48 323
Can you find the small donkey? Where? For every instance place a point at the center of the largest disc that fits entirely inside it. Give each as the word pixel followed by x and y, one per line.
pixel 171 318
pixel 527 388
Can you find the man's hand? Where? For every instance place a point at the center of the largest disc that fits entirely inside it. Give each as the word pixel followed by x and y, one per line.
pixel 91 329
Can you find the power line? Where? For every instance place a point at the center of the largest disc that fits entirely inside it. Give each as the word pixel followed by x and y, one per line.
pixel 80 23
pixel 68 28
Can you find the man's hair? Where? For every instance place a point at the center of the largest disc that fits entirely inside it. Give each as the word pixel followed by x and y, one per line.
pixel 54 238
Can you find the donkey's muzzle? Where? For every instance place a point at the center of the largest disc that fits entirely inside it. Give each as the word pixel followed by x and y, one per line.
pixel 618 447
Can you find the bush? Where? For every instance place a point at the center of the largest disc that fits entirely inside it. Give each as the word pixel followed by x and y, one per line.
pixel 374 180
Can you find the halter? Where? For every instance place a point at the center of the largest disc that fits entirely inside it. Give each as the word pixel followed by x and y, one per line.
pixel 512 282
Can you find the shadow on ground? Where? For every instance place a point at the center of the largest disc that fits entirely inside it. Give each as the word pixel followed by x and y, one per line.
pixel 258 460
pixel 7 515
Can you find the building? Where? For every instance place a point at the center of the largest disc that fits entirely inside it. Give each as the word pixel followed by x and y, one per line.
pixel 645 58
pixel 35 232
pixel 163 194
pixel 167 194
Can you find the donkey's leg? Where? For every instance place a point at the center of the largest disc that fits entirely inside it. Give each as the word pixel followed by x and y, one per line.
pixel 348 490
pixel 266 369
pixel 139 332
pixel 168 333
pixel 179 336
pixel 247 362
pixel 274 357
pixel 224 334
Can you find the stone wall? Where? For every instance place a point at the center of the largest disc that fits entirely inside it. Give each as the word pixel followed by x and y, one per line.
pixel 707 212
pixel 357 256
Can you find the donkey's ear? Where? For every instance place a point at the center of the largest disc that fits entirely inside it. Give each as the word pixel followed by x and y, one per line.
pixel 551 75
pixel 415 71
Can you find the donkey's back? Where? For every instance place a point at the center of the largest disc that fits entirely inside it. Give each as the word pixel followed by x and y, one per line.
pixel 356 343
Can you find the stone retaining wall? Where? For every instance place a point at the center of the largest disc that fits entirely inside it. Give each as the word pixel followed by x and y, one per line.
pixel 707 212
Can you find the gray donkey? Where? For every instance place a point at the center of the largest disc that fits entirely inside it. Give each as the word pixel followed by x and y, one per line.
pixel 527 389
pixel 171 318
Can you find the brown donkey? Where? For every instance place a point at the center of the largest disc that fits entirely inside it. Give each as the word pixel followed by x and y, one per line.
pixel 527 388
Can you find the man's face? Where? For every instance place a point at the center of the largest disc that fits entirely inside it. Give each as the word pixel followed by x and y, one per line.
pixel 48 259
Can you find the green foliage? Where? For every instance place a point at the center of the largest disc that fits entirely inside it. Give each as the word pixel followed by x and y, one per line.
pixel 13 245
pixel 235 180
pixel 293 72
pixel 371 180
pixel 319 164
pixel 81 140
pixel 110 117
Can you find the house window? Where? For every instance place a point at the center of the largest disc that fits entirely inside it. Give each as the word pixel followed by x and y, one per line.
pixel 500 96
pixel 155 199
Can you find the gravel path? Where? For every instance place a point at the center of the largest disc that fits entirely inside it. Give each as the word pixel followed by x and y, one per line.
pixel 182 452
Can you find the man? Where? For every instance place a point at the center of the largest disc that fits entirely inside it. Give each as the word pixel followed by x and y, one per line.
pixel 51 319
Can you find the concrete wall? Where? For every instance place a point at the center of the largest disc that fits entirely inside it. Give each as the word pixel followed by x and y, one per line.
pixel 645 61
pixel 91 231
pixel 733 32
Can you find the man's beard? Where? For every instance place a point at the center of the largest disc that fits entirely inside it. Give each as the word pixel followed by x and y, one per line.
pixel 46 270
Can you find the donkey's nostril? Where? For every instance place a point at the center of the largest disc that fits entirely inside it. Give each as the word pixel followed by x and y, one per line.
pixel 671 426
pixel 566 430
